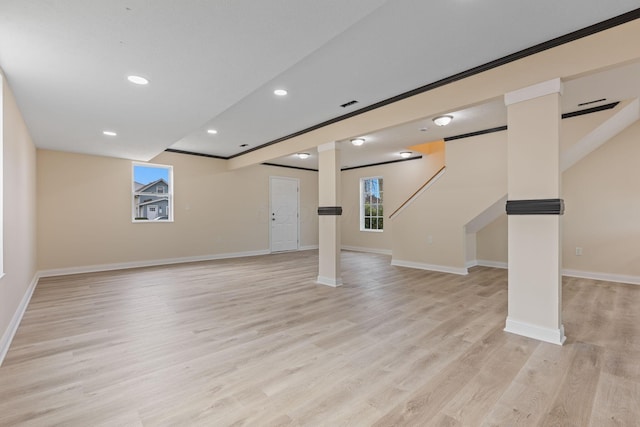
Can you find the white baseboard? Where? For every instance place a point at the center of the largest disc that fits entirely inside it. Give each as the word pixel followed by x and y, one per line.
pixel 471 263
pixel 8 335
pixel 430 267
pixel 328 281
pixel 308 248
pixel 148 263
pixel 553 336
pixel 607 277
pixel 494 264
pixel 363 249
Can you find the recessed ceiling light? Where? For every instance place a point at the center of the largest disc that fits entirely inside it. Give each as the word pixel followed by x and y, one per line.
pixel 139 80
pixel 303 155
pixel 212 131
pixel 109 133
pixel 357 141
pixel 442 120
pixel 280 92
pixel 405 154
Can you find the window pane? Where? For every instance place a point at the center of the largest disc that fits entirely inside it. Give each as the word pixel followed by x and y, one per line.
pixel 371 209
pixel 152 192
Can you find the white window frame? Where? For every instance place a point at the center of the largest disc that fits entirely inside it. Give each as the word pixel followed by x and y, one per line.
pixel 169 193
pixel 362 203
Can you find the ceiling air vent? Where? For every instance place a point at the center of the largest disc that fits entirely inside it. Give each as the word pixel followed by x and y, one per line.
pixel 349 104
pixel 591 102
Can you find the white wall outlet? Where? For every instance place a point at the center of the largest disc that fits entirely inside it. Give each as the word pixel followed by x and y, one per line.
pixel 578 251
pixel 429 239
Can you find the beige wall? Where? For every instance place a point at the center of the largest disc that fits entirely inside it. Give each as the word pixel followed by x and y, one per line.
pixel 84 211
pixel 602 200
pixel 430 232
pixel 400 181
pixel 602 209
pixel 19 222
pixel 491 241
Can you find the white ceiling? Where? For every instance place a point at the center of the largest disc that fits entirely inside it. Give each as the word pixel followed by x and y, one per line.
pixel 215 64
pixel 611 86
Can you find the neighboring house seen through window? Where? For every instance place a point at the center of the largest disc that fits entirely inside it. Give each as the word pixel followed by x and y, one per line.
pixel 371 212
pixel 152 192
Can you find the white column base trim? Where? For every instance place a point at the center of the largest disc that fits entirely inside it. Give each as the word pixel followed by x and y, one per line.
pixel 147 263
pixel 553 336
pixel 8 335
pixel 430 267
pixel 368 250
pixel 328 281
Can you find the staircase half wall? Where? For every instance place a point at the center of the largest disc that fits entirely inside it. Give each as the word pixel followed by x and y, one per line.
pixel 430 232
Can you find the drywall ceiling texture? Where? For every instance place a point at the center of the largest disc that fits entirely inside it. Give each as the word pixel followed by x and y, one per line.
pixel 607 49
pixel 216 63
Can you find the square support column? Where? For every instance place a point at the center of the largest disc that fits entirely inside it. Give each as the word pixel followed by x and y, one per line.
pixel 329 211
pixel 534 207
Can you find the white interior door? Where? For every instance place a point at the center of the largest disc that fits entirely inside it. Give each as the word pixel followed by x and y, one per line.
pixel 283 214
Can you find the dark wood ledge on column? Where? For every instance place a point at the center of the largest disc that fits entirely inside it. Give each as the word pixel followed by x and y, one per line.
pixel 535 207
pixel 330 210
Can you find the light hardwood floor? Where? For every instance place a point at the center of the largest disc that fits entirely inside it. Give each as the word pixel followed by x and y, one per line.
pixel 256 342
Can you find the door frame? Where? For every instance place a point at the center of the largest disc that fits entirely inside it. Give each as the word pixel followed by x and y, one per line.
pixel 297 181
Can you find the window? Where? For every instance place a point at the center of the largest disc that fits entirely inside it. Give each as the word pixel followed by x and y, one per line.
pixel 152 189
pixel 371 212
